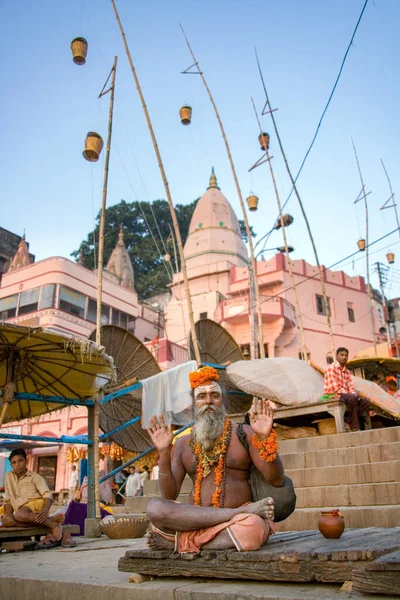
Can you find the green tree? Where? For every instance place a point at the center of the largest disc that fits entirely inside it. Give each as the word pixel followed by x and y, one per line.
pixel 152 273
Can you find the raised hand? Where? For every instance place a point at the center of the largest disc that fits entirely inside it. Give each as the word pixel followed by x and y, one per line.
pixel 160 435
pixel 261 418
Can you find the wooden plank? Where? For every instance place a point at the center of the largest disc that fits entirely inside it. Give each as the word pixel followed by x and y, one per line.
pixel 287 557
pixel 8 533
pixel 382 576
pixel 212 566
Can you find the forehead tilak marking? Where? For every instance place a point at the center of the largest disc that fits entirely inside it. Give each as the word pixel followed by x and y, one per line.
pixel 213 387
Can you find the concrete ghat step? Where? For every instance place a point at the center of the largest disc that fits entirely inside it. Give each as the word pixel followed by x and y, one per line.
pixel 342 456
pixel 361 473
pixel 36 586
pixel 305 519
pixel 367 494
pixel 151 487
pixel 340 440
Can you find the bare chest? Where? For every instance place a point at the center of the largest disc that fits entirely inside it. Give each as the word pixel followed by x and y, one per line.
pixel 237 458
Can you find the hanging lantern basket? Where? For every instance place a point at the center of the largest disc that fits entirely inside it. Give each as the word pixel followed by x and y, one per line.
pixel 93 146
pixel 361 244
pixel 79 48
pixel 167 257
pixel 185 114
pixel 263 138
pixel 390 258
pixel 252 202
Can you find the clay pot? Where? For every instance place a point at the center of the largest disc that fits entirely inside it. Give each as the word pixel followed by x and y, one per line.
pixel 331 524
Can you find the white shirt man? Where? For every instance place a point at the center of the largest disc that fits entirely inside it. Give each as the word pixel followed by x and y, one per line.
pixel 73 482
pixel 133 483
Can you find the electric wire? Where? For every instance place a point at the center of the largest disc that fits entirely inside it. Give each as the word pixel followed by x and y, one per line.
pixel 326 106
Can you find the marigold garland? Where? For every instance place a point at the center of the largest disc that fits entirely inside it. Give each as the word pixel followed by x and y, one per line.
pixel 205 461
pixel 266 448
pixel 203 374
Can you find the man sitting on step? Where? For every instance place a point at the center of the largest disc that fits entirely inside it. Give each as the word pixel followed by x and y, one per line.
pixel 339 384
pixel 221 514
pixel 29 500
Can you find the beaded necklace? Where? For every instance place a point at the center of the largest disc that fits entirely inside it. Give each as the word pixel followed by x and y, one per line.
pixel 206 460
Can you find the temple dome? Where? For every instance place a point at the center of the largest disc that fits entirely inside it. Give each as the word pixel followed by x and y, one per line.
pixel 120 264
pixel 214 231
pixel 21 258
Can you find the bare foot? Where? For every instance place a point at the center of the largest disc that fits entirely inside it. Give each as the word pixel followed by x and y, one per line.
pixel 263 508
pixel 58 518
pixel 156 542
pixel 57 532
pixel 67 541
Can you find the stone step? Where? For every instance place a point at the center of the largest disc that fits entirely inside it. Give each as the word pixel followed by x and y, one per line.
pixel 118 509
pixel 305 519
pixel 138 504
pixel 367 494
pixel 362 473
pixel 342 456
pixel 151 487
pixel 341 440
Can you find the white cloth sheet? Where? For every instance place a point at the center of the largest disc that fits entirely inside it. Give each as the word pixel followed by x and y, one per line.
pixel 168 394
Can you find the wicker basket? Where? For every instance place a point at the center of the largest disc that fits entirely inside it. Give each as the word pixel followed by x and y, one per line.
pixel 326 426
pixel 126 527
pixel 263 138
pixel 79 48
pixel 185 114
pixel 252 202
pixel 93 146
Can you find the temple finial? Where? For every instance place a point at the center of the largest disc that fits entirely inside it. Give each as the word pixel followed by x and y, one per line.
pixel 213 180
pixel 121 234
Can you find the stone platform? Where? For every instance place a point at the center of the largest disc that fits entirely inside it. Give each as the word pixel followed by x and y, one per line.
pixel 89 572
pixel 287 557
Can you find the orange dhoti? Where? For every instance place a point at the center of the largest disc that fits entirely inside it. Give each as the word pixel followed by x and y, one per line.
pixel 247 532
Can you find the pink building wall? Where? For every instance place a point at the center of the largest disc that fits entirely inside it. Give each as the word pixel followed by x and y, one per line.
pixel 278 308
pixel 146 325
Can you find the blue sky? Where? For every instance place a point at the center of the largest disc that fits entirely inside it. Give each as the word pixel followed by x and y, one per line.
pixel 49 104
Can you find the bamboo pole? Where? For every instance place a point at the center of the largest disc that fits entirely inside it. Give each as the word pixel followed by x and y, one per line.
pixel 392 197
pixel 167 191
pixel 253 270
pixel 371 308
pixel 100 284
pixel 9 390
pixel 385 308
pixel 304 351
pixel 303 212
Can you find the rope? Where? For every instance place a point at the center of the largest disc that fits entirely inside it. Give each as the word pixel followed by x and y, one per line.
pixel 326 106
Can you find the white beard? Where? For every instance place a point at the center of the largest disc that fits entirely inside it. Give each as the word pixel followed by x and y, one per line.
pixel 209 425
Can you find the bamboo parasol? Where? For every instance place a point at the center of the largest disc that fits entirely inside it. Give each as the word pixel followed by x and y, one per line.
pixel 133 361
pixel 217 346
pixel 41 362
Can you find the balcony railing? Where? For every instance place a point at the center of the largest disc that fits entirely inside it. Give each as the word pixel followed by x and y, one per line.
pixel 272 307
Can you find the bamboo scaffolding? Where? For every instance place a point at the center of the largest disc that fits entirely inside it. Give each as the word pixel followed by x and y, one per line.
pixel 166 186
pixel 95 413
pixel 364 197
pixel 253 264
pixel 393 205
pixel 303 349
pixel 303 212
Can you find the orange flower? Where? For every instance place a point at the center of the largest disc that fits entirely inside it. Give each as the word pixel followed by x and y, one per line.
pixel 266 448
pixel 201 375
pixel 206 461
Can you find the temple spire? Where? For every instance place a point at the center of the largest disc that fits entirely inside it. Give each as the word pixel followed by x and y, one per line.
pixel 21 258
pixel 213 180
pixel 120 263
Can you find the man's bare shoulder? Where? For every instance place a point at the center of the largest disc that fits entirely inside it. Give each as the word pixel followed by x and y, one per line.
pixel 182 442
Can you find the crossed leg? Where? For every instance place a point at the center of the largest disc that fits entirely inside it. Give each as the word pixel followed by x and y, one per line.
pixel 170 517
pixel 25 517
